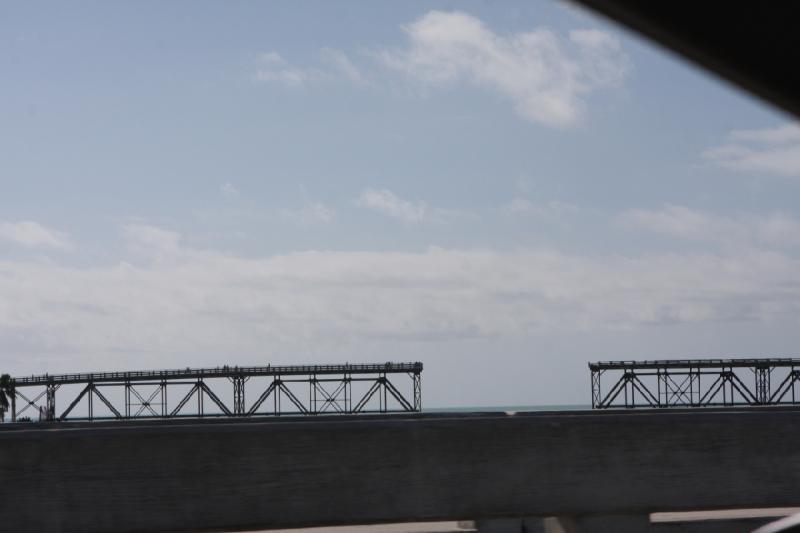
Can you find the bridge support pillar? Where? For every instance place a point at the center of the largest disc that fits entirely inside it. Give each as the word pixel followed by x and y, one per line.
pixel 238 396
pixel 762 385
pixel 50 408
pixel 417 391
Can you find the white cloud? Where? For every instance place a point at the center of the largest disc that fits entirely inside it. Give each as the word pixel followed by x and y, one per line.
pixel 229 190
pixel 766 151
pixel 766 230
pixel 386 202
pixel 341 63
pixel 521 205
pixel 33 235
pixel 779 229
pixel 143 237
pixel 553 209
pixel 271 58
pixel 682 222
pixel 602 60
pixel 272 67
pixel 780 134
pixel 201 305
pixel 310 213
pixel 336 65
pixel 290 77
pixel 544 76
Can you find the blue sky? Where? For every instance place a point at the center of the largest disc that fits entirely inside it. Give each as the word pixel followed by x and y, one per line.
pixel 515 188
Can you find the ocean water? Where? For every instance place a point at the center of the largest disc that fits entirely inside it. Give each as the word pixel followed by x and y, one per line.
pixel 506 408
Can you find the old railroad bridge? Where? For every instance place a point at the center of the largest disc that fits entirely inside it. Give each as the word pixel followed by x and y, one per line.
pixel 198 392
pixel 696 383
pixel 378 388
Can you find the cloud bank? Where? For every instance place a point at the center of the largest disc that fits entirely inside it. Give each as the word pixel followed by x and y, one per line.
pixel 311 213
pixel 768 152
pixel 388 203
pixel 167 302
pixel 33 235
pixel 772 230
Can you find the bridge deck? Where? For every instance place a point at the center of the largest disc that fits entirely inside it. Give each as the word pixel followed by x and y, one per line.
pixel 696 363
pixel 216 372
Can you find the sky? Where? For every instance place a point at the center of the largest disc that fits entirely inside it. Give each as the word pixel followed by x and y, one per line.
pixel 504 191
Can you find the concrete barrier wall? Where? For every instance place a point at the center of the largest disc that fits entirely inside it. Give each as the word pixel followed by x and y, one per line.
pixel 324 471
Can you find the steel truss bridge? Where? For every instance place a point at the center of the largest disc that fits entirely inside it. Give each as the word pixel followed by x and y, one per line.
pixel 199 392
pixel 695 383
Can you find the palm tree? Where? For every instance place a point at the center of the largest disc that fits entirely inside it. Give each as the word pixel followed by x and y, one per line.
pixel 6 391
